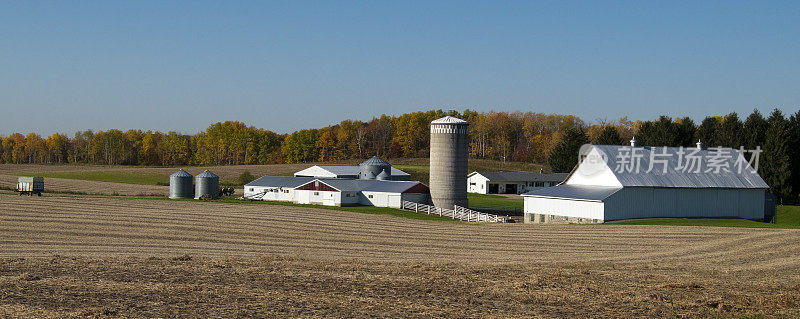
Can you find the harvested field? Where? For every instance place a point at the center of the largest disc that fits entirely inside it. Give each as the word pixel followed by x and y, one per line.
pixel 65 255
pixel 60 185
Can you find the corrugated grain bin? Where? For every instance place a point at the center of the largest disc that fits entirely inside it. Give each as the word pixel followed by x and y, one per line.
pixel 180 185
pixel 374 167
pixel 206 183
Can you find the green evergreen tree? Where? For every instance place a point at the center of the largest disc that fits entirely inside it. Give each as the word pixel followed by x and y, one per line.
pixel 665 133
pixel 705 132
pixel 685 131
pixel 729 133
pixel 565 155
pixel 609 136
pixel 755 129
pixel 774 162
pixel 793 130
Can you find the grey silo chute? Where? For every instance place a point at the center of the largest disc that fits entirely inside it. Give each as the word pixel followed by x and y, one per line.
pixel 374 167
pixel 180 185
pixel 448 168
pixel 206 183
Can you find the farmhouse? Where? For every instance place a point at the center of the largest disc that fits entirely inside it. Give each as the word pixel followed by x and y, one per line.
pixel 500 182
pixel 626 182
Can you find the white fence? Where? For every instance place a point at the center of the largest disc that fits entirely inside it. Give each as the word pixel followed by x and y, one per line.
pixel 459 213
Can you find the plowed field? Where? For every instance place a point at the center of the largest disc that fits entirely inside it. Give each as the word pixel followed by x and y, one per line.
pixel 64 255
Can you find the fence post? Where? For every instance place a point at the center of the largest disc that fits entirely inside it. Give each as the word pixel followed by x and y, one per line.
pixel 416 207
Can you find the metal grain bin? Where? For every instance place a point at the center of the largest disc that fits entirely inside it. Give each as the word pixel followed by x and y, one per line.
pixel 180 185
pixel 373 167
pixel 206 183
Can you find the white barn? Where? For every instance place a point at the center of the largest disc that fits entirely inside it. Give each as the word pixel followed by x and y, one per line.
pixel 337 192
pixel 501 182
pixel 604 186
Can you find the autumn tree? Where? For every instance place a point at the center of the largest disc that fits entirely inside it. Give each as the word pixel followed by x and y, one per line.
pixel 58 148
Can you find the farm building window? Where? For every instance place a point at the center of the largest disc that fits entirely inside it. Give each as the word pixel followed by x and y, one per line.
pixel 472 184
pixel 252 189
pixel 539 184
pixel 370 196
pixel 316 193
pixel 286 191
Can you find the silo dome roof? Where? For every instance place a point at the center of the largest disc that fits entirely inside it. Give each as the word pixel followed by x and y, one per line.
pixel 181 173
pixel 207 174
pixel 375 161
pixel 383 175
pixel 449 120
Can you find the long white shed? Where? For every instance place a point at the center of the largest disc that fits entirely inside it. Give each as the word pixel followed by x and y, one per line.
pixel 598 190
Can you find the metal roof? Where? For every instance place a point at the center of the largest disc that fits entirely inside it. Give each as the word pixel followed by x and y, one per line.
pixel 597 193
pixel 732 178
pixel 449 120
pixel 280 181
pixel 348 185
pixel 391 186
pixel 375 161
pixel 207 174
pixel 353 170
pixel 181 173
pixel 522 176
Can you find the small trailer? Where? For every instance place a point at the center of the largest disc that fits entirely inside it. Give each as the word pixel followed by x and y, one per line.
pixel 30 185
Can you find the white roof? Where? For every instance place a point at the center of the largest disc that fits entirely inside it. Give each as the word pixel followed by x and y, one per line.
pixel 334 171
pixel 449 120
pixel 612 172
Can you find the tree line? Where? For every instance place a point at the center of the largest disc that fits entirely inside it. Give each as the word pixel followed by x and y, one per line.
pixel 517 136
pixel 777 135
pixel 512 136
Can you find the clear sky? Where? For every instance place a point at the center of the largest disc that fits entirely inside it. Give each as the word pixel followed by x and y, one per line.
pixel 288 65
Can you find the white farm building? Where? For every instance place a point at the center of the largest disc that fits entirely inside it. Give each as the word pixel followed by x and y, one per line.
pixel 337 192
pixel 500 182
pixel 604 186
pixel 346 171
pixel 372 183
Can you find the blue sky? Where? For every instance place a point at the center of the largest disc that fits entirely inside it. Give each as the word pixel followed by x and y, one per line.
pixel 288 65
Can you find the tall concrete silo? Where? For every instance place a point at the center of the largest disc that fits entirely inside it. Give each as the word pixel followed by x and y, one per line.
pixel 206 183
pixel 180 185
pixel 448 179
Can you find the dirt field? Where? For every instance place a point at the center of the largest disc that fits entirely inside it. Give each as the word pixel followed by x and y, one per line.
pixel 91 187
pixel 80 256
